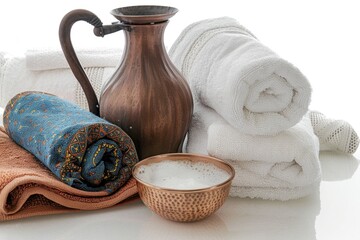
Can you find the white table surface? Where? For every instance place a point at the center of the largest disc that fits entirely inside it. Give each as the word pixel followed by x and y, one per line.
pixel 331 214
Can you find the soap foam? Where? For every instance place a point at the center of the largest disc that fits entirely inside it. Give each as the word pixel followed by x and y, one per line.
pixel 182 175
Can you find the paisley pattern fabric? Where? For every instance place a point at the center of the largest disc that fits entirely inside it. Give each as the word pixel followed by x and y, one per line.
pixel 81 149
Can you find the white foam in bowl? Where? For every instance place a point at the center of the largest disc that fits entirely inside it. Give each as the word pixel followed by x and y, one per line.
pixel 182 175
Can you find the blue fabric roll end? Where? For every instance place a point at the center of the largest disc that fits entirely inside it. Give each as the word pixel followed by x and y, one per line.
pixel 81 149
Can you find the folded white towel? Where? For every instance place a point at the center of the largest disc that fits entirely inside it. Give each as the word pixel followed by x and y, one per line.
pixel 47 59
pixel 1 116
pixel 230 71
pixel 54 78
pixel 2 59
pixel 283 167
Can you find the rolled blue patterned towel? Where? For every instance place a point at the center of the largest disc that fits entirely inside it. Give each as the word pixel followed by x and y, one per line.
pixel 81 149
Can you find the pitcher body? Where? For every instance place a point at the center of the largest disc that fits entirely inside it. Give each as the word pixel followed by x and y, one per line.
pixel 146 96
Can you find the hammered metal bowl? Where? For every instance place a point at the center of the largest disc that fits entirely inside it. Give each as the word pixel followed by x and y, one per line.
pixel 184 205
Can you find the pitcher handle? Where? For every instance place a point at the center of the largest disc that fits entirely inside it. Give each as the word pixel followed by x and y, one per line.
pixel 100 30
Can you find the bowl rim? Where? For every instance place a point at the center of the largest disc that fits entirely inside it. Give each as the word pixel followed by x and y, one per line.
pixel 184 156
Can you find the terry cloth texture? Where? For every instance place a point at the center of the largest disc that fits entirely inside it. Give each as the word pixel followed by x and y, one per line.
pixel 232 72
pixel 47 59
pixel 281 167
pixel 81 149
pixel 47 71
pixel 28 188
pixel 249 110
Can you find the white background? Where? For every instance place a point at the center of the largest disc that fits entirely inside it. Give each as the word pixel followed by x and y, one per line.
pixel 322 38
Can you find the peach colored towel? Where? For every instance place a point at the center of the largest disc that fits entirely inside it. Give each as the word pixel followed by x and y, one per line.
pixel 27 188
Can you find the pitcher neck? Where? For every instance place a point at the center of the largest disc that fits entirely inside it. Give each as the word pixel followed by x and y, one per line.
pixel 149 38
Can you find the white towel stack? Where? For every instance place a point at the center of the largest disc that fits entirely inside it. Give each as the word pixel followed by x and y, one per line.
pixel 250 110
pixel 48 71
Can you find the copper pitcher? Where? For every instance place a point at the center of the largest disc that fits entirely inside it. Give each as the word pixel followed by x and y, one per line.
pixel 146 96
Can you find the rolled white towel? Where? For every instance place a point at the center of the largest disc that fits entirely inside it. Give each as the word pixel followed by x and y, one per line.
pixel 47 59
pixel 282 167
pixel 230 71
